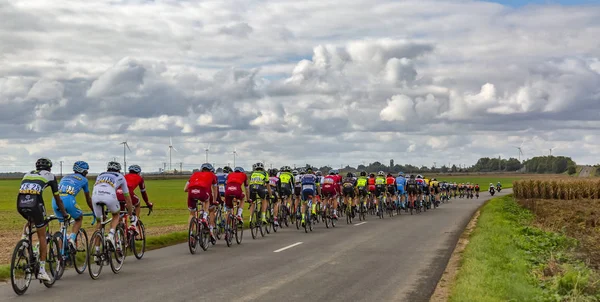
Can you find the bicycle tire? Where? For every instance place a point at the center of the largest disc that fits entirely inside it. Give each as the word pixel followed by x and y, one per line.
pixel 193 235
pixel 119 251
pixel 252 225
pixel 60 270
pixel 101 253
pixel 239 232
pixel 229 231
pixel 83 238
pixel 326 217
pixel 204 233
pixel 269 219
pixel 138 252
pixel 21 251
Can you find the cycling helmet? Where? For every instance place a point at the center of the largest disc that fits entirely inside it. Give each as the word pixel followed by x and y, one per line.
pixel 287 168
pixel 206 166
pixel 401 174
pixel 332 172
pixel 372 175
pixel 319 173
pixel 80 167
pixel 227 169
pixel 43 164
pixel 349 174
pixel 113 166
pixel 302 171
pixel 238 169
pixel 434 179
pixel 412 176
pixel 381 173
pixel 309 170
pixel 272 172
pixel 419 176
pixel 135 169
pixel 295 172
pixel 258 166
pixel 363 173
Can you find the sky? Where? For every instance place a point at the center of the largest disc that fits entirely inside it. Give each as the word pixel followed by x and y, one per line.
pixel 294 82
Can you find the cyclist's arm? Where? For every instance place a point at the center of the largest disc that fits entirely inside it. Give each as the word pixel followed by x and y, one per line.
pixel 185 189
pixel 54 187
pixel 88 198
pixel 143 190
pixel 128 203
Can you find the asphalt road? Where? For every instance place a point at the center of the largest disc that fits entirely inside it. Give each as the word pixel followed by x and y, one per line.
pixel 394 259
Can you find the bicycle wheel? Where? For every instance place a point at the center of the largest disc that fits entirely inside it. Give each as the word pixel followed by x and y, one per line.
pixel 119 250
pixel 239 232
pixel 326 217
pixel 220 225
pixel 63 251
pixel 269 218
pixel 193 235
pixel 229 229
pixel 80 255
pixel 52 262
pixel 204 233
pixel 252 225
pixel 21 270
pixel 96 254
pixel 138 246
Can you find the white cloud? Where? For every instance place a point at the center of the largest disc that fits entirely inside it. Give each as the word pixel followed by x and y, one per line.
pixel 448 79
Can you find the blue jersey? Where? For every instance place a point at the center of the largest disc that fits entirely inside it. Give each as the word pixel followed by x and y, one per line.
pixel 221 181
pixel 72 184
pixel 308 182
pixel 400 182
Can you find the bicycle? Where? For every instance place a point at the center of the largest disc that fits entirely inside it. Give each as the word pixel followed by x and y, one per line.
pixel 349 214
pixel 255 223
pixel 24 251
pixel 308 214
pixel 69 254
pixel 328 217
pixel 137 234
pixel 199 231
pixel 220 223
pixel 102 252
pixel 233 227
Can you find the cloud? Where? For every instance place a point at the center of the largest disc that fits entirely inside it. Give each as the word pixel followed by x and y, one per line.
pixel 295 82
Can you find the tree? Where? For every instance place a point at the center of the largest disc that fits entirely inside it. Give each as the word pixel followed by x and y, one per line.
pixel 444 169
pixel 572 170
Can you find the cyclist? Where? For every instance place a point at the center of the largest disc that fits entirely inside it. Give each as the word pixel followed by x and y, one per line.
pixel 287 184
pixel 362 189
pixel 297 189
pixel 477 190
pixel 68 188
pixel 400 185
pixel 221 181
pixel 275 185
pixel 330 191
pixel 309 190
pixel 371 182
pixel 259 189
pixel 349 190
pixel 134 180
pixel 390 182
pixel 236 188
pixel 421 187
pixel 380 189
pixel 498 186
pixel 435 188
pixel 412 188
pixel 105 191
pixel 30 204
pixel 202 186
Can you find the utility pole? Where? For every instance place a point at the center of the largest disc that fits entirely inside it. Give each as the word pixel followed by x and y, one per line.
pixel 181 168
pixel 61 162
pixel 164 166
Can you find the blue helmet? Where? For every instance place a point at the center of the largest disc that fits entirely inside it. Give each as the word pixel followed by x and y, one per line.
pixel 401 174
pixel 80 167
pixel 135 169
pixel 238 169
pixel 207 166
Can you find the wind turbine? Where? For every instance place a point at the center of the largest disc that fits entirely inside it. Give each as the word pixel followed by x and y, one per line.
pixel 125 144
pixel 551 150
pixel 520 148
pixel 171 148
pixel 207 149
pixel 234 156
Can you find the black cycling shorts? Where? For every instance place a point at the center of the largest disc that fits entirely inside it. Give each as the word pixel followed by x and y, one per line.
pixel 391 189
pixel 297 191
pixel 349 192
pixel 257 192
pixel 412 189
pixel 362 192
pixel 285 192
pixel 379 190
pixel 31 207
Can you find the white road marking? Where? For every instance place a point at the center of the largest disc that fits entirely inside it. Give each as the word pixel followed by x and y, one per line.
pixel 287 247
pixel 360 223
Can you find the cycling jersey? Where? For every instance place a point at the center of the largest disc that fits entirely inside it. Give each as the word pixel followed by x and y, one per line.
pixel 361 182
pixel 297 181
pixel 274 182
pixel 221 181
pixel 202 180
pixel 400 184
pixel 390 180
pixel 30 203
pixel 330 186
pixel 233 187
pixel 133 181
pixel 258 178
pixel 286 178
pixel 68 188
pixel 105 191
pixel 380 181
pixel 238 178
pixel 371 182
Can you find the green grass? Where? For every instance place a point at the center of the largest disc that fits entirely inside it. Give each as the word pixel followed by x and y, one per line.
pixel 505 258
pixel 4 272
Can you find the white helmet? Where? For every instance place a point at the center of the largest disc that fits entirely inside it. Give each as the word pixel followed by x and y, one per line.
pixel 381 173
pixel 257 166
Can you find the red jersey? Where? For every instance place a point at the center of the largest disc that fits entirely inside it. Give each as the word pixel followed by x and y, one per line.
pixel 371 183
pixel 329 183
pixel 390 180
pixel 238 178
pixel 133 181
pixel 203 180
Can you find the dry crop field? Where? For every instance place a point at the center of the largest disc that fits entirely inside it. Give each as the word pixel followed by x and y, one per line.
pixel 570 206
